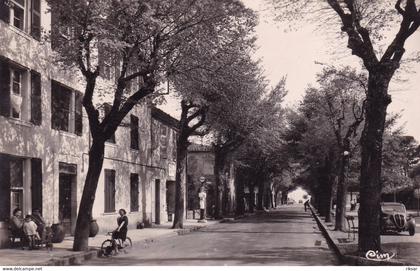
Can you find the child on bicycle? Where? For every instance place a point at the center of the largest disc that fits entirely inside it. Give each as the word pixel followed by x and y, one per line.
pixel 121 231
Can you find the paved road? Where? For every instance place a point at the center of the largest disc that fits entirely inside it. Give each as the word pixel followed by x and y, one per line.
pixel 287 236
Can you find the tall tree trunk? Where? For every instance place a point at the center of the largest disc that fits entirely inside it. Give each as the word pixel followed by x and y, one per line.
pixel 371 166
pixel 342 188
pixel 181 155
pixel 219 164
pixel 251 198
pixel 328 199
pixel 260 198
pixel 240 194
pixel 96 158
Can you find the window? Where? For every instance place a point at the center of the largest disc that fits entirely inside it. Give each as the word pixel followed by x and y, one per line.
pixel 134 192
pixel 18 13
pixel 66 109
pixel 36 101
pixel 16 183
pixel 78 112
pixel 155 134
pixel 163 141
pixel 174 142
pixel 134 131
pixel 109 191
pixel 16 97
pixel 20 92
pixel 36 19
pixel 107 109
pixel 22 14
pixel 60 107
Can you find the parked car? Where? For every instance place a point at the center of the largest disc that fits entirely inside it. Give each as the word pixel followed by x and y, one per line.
pixel 394 218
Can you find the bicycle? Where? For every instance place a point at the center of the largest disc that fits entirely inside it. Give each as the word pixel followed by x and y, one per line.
pixel 111 247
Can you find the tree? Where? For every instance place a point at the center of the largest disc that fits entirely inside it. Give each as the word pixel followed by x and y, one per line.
pixel 340 99
pixel 365 24
pixel 260 154
pixel 141 39
pixel 204 77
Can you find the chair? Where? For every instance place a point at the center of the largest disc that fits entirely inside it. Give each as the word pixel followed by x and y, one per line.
pixel 351 228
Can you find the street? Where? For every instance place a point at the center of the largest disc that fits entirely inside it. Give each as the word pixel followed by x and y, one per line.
pixel 286 236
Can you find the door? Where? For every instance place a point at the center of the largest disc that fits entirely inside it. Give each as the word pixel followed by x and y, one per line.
pixel 65 200
pixel 157 201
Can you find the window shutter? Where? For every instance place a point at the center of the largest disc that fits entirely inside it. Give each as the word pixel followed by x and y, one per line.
pixel 134 192
pixel 36 102
pixel 4 188
pixel 4 11
pixel 134 129
pixel 78 125
pixel 112 190
pixel 107 109
pixel 109 191
pixel 36 183
pixel 36 19
pixel 4 88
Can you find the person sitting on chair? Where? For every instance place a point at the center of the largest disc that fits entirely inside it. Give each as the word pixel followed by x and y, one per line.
pixel 30 230
pixel 40 223
pixel 16 224
pixel 121 231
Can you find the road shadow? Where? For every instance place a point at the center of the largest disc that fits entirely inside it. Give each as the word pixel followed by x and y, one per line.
pixel 273 257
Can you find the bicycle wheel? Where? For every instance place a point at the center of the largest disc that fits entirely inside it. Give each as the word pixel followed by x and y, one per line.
pixel 128 243
pixel 109 248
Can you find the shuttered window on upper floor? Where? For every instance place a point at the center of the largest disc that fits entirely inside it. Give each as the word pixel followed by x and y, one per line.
pixel 22 14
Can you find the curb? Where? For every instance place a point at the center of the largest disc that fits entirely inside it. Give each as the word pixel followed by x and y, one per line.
pixel 351 259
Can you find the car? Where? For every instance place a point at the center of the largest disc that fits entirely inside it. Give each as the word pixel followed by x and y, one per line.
pixel 394 218
pixel 300 201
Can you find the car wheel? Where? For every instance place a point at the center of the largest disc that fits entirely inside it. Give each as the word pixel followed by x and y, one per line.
pixel 412 231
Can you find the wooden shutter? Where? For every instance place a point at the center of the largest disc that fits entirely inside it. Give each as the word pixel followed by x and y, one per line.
pixel 107 109
pixel 4 11
pixel 4 188
pixel 36 102
pixel 109 191
pixel 78 114
pixel 36 183
pixel 134 131
pixel 4 88
pixel 134 192
pixel 36 19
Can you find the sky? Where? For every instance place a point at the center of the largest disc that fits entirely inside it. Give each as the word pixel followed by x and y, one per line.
pixel 296 54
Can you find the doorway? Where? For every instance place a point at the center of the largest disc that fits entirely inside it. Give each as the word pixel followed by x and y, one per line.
pixel 157 201
pixel 67 211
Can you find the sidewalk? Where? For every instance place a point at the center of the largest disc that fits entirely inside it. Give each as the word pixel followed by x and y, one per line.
pixel 406 248
pixel 63 255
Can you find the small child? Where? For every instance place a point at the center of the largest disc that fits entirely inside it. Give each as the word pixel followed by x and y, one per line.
pixel 30 230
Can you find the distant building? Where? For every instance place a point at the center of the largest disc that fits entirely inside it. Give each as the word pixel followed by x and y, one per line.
pixel 200 163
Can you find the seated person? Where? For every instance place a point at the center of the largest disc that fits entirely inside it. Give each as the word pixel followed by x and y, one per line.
pixel 40 222
pixel 30 230
pixel 16 223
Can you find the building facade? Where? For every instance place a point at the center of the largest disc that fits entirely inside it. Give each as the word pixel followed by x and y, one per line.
pixel 45 137
pixel 200 172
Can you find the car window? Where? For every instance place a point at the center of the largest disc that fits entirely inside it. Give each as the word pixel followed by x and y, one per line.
pixel 393 208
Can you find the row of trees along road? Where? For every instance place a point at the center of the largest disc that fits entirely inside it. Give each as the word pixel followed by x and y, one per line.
pixel 146 41
pixel 323 136
pixel 367 26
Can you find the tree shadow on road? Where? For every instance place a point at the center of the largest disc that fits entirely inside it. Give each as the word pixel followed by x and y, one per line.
pixel 274 257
